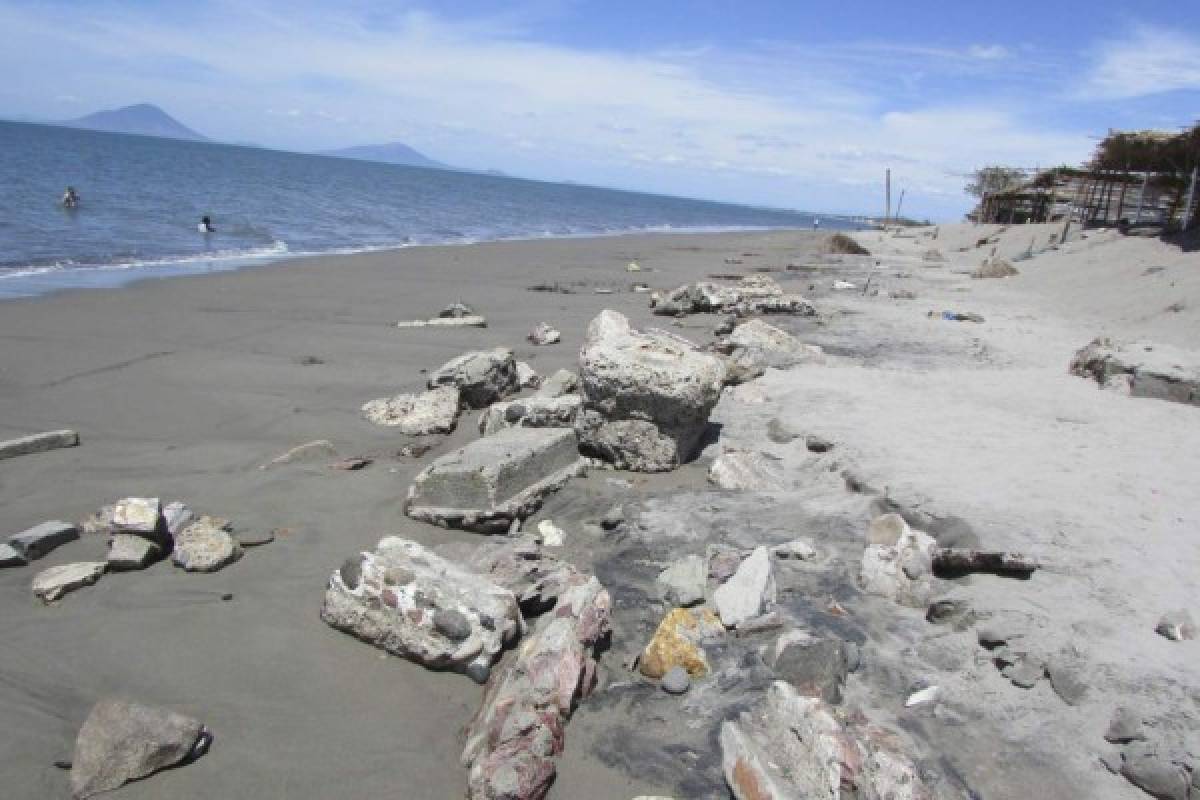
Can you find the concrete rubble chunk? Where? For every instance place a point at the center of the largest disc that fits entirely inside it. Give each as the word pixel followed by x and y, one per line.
pixel 10 557
pixel 752 294
pixel 683 583
pixel 814 666
pixel 531 412
pixel 544 333
pixel 760 345
pixel 51 584
pixel 39 540
pixel 433 411
pixel 407 600
pixel 205 546
pixel 482 376
pixel 560 383
pixel 468 321
pixel 520 565
pixel 527 376
pixel 456 310
pixel 139 515
pixel 748 471
pixel 647 395
pixel 122 741
pixel 38 443
pixel 1176 625
pixel 496 479
pixel 513 740
pixel 99 521
pixel 129 551
pixel 995 268
pixel 679 642
pixel 1141 369
pixel 749 592
pixel 898 562
pixel 794 746
pixel 177 516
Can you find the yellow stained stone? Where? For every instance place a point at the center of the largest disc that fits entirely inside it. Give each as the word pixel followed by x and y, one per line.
pixel 676 643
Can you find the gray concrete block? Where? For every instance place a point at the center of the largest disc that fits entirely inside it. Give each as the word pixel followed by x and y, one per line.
pixel 38 443
pixel 41 539
pixel 496 479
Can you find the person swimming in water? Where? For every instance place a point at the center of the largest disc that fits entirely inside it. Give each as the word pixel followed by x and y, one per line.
pixel 70 198
pixel 206 225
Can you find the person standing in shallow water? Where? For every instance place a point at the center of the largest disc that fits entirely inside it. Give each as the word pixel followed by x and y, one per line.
pixel 206 225
pixel 70 198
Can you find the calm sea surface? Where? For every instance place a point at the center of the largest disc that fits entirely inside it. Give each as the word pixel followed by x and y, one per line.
pixel 142 198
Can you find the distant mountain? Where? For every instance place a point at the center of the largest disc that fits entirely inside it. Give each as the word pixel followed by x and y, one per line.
pixel 144 119
pixel 391 153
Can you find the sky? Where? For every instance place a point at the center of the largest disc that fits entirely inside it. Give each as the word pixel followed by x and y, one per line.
pixel 779 103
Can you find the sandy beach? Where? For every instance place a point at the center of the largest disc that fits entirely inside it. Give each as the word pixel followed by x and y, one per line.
pixel 184 388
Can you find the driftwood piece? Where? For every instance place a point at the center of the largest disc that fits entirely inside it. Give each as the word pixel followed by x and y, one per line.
pixel 951 562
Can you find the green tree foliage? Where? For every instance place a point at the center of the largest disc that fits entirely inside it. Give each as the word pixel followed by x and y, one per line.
pixel 989 180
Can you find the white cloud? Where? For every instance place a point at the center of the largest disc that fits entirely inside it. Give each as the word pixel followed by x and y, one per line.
pixel 1151 61
pixel 988 52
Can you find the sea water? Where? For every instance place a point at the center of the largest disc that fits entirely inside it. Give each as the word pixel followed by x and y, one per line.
pixel 143 197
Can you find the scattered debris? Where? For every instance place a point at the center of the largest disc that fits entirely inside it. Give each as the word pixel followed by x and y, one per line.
pixel 1176 626
pixel 957 316
pixel 544 333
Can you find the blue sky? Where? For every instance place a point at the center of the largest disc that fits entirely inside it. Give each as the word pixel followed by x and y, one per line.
pixel 777 103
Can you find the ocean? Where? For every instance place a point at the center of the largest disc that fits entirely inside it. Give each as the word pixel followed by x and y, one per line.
pixel 142 199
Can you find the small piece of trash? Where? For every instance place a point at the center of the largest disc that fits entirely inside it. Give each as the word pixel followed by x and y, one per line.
pixel 926 695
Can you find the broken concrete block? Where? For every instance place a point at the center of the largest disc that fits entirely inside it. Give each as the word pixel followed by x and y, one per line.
pixel 749 592
pixel 140 515
pixel 41 539
pixel 531 412
pixel 434 411
pixel 122 741
pixel 10 557
pixel 130 551
pixel 38 443
pixel 496 479
pixel 51 584
pixel 482 377
pixel 411 602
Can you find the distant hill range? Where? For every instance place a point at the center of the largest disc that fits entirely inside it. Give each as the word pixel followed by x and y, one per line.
pixel 391 153
pixel 143 119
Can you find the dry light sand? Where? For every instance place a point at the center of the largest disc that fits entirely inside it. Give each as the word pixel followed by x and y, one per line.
pixel 182 388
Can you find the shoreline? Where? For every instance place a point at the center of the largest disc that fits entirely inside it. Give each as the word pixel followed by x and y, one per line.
pixel 183 389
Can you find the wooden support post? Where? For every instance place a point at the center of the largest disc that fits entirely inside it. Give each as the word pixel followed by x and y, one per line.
pixel 1191 197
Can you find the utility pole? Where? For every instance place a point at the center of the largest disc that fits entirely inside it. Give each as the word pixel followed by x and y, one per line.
pixel 887 183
